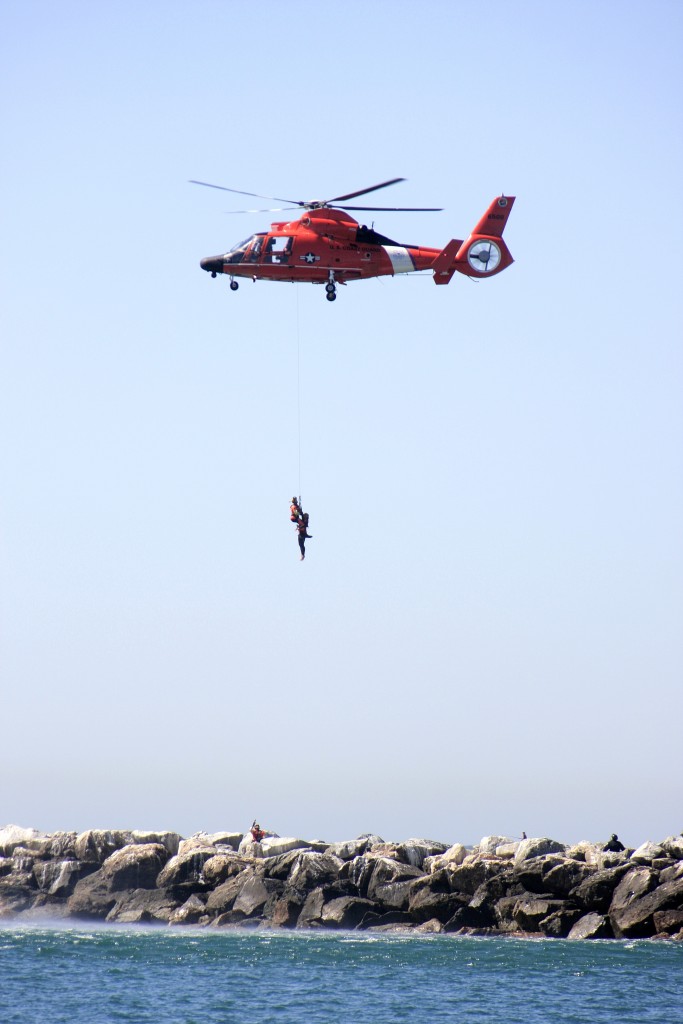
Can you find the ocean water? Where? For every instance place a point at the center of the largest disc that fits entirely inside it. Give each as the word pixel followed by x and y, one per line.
pixel 140 975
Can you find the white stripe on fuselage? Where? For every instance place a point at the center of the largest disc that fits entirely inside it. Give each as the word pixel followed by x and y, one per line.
pixel 401 259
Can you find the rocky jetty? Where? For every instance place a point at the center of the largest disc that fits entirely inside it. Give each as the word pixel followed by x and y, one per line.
pixel 502 886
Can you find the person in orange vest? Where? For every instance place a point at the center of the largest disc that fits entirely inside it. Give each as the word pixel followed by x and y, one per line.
pixel 257 832
pixel 300 520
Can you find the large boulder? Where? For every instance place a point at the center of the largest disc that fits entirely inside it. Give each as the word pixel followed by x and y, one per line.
pixel 12 836
pixel 169 840
pixel 564 876
pixel 92 897
pixel 591 926
pixel 468 876
pixel 387 872
pixel 673 847
pixel 647 852
pixel 393 895
pixel 314 869
pixel 595 892
pixel 134 867
pixel 310 915
pixel 59 877
pixel 185 869
pixel 425 904
pixel 416 851
pixel 254 895
pixel 529 911
pixel 220 867
pixel 668 922
pixel 142 906
pixel 287 908
pixel 632 914
pixel 452 857
pixel 346 912
pixel 191 912
pixel 219 842
pixel 222 899
pixel 530 848
pixel 349 850
pixel 95 845
pixel 273 846
pixel 489 844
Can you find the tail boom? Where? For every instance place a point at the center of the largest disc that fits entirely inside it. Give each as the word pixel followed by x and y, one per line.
pixel 484 253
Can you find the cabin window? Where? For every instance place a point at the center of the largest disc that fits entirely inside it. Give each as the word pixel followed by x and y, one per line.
pixel 279 248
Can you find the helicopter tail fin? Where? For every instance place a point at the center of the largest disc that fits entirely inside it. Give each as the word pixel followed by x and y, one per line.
pixel 484 253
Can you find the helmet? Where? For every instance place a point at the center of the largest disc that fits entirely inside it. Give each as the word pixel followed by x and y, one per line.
pixel 295 500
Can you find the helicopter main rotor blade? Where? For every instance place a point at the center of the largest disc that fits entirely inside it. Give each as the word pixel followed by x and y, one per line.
pixel 363 191
pixel 239 192
pixel 394 209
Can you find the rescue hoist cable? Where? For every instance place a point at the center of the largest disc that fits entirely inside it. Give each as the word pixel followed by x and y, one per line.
pixel 298 386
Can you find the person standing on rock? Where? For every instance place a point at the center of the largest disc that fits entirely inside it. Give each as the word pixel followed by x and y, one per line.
pixel 614 845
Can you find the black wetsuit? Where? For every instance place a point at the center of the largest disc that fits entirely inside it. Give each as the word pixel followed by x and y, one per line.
pixel 301 530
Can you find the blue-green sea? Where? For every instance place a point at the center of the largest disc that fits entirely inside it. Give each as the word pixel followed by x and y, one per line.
pixel 111 974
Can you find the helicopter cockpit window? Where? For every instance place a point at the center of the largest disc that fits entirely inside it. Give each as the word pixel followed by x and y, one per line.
pixel 236 254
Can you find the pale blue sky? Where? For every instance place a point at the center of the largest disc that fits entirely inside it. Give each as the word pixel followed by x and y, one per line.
pixel 486 635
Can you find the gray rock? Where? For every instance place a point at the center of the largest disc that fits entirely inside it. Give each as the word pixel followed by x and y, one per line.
pixel 425 904
pixel 668 922
pixel 595 892
pixel 95 845
pixel 591 926
pixel 144 906
pixel 345 912
pixel 416 851
pixel 91 897
pixel 348 850
pixel 558 924
pixel 134 867
pixel 169 840
pixel 635 883
pixel 287 908
pixel 59 877
pixel 632 916
pixel 310 915
pixel 646 853
pixel 12 836
pixel 393 895
pixel 185 868
pixel 468 877
pixel 528 912
pixel 358 872
pixel 315 869
pixel 254 895
pixel 220 867
pixel 530 848
pixel 222 898
pixel 565 876
pixel 387 871
pixel 489 844
pixel 190 912
pixel 673 846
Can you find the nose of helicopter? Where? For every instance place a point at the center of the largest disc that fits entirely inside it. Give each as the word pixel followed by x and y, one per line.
pixel 214 264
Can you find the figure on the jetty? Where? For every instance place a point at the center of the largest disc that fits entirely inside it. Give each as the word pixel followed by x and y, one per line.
pixel 257 832
pixel 614 845
pixel 300 520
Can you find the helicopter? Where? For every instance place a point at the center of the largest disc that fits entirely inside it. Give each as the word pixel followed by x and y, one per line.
pixel 327 246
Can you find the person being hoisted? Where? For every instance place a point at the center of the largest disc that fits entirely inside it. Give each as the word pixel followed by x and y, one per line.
pixel 300 520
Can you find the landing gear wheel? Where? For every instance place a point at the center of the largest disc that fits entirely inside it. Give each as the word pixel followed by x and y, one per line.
pixel 331 296
pixel 330 287
pixel 234 286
